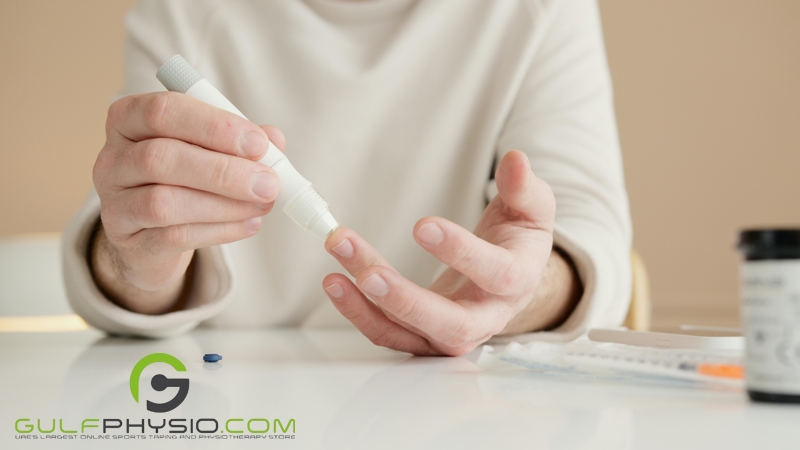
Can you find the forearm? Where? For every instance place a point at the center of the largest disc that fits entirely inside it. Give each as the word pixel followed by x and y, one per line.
pixel 110 274
pixel 558 293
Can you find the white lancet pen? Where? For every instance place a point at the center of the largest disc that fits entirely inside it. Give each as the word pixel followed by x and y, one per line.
pixel 297 197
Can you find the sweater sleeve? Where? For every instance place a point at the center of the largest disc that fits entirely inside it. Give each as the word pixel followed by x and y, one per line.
pixel 156 31
pixel 563 119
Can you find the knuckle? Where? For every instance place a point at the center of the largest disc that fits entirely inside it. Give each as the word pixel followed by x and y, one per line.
pixel 226 233
pixel 177 237
pixel 217 129
pixel 408 311
pixel 462 334
pixel 506 279
pixel 394 318
pixel 159 206
pixel 363 258
pixel 352 314
pixel 223 175
pixel 463 256
pixel 364 262
pixel 151 158
pixel 382 338
pixel 156 111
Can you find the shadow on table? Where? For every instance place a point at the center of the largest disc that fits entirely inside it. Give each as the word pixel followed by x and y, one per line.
pixel 450 403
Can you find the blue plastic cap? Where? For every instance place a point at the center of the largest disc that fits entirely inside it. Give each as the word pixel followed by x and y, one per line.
pixel 212 357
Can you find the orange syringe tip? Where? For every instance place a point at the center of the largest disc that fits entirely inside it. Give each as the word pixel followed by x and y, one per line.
pixel 721 370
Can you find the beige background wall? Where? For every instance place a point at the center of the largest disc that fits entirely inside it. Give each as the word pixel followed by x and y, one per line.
pixel 708 104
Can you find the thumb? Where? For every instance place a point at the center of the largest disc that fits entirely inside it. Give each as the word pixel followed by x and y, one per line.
pixel 275 136
pixel 525 193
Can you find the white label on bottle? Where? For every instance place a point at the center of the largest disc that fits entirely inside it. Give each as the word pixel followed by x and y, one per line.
pixel 771 320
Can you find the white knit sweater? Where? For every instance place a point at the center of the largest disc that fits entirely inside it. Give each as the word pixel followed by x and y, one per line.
pixel 395 110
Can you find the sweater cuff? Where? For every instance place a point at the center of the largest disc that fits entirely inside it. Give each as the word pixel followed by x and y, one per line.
pixel 211 289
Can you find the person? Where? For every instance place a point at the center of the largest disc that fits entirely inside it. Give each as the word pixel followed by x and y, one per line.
pixel 417 120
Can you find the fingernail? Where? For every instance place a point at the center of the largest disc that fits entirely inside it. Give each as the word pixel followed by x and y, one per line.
pixel 335 290
pixel 253 224
pixel 264 185
pixel 253 144
pixel 430 234
pixel 375 285
pixel 264 206
pixel 344 249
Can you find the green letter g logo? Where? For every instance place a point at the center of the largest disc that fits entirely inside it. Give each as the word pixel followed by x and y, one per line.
pixel 160 382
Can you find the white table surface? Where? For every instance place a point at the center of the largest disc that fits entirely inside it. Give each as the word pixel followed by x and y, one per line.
pixel 344 393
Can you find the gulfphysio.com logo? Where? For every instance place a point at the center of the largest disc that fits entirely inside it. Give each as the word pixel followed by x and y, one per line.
pixel 158 427
pixel 160 382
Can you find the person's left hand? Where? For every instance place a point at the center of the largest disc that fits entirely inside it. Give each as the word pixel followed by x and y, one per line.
pixel 492 277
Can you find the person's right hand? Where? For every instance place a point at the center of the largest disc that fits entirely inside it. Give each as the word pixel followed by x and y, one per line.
pixel 175 175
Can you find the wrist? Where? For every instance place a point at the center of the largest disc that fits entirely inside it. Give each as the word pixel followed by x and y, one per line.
pixel 109 272
pixel 556 296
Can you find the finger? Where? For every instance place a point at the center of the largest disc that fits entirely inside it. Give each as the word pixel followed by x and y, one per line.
pixel 174 162
pixel 523 192
pixel 459 325
pixel 352 251
pixel 493 268
pixel 369 319
pixel 179 116
pixel 275 136
pixel 355 254
pixel 169 241
pixel 159 205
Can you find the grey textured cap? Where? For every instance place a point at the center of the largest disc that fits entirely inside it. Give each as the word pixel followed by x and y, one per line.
pixel 177 75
